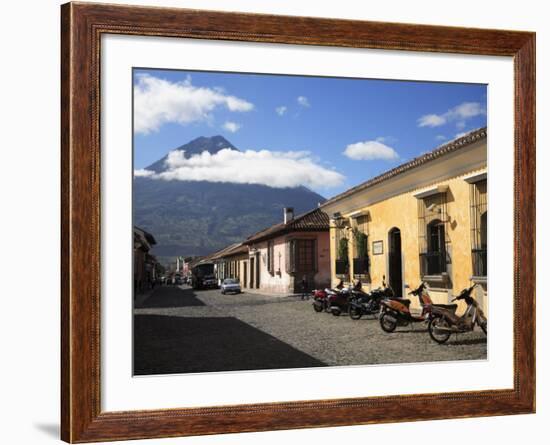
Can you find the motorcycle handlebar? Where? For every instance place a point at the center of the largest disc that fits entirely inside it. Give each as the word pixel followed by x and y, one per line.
pixel 418 289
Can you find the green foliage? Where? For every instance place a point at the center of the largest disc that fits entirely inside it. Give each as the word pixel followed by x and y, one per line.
pixel 360 243
pixel 343 249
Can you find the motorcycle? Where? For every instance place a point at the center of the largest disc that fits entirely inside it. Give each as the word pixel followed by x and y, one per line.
pixel 396 311
pixel 444 320
pixel 340 301
pixel 368 303
pixel 321 297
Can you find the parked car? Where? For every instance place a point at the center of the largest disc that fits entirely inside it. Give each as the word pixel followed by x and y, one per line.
pixel 231 286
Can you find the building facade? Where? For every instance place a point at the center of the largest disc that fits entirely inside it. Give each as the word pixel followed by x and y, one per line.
pixel 232 262
pixel 283 257
pixel 425 220
pixel 144 262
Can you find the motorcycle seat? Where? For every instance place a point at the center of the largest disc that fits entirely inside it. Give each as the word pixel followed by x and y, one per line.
pixel 404 301
pixel 451 307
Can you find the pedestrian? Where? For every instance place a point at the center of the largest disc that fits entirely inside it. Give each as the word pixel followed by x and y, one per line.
pixel 305 295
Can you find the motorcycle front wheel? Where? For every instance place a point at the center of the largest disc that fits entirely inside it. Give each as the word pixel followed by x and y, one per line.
pixel 318 307
pixel 439 336
pixel 388 323
pixel 355 313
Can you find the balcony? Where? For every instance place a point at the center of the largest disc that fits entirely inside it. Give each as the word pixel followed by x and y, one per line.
pixel 342 267
pixel 360 266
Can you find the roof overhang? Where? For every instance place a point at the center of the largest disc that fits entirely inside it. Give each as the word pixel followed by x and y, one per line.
pixel 476 177
pixel 432 191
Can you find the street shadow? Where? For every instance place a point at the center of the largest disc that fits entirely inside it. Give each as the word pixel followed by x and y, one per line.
pixel 170 345
pixel 170 296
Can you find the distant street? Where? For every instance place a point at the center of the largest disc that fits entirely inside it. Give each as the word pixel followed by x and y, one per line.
pixel 180 330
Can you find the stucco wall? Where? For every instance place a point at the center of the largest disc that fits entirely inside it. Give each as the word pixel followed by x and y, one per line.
pixel 401 211
pixel 280 281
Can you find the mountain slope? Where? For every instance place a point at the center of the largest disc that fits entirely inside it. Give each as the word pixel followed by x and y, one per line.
pixel 199 217
pixel 195 147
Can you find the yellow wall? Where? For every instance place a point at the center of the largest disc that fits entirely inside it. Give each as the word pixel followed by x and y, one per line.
pixel 401 211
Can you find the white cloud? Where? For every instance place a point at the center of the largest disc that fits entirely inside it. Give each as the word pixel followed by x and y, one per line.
pixel 459 114
pixel 280 110
pixel 159 101
pixel 440 137
pixel 303 101
pixel 431 120
pixel 232 126
pixel 143 173
pixel 272 168
pixel 370 150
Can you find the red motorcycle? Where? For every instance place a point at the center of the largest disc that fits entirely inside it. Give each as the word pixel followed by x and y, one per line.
pixel 324 298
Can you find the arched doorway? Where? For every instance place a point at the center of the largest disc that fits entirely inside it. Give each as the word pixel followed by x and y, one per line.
pixel 395 270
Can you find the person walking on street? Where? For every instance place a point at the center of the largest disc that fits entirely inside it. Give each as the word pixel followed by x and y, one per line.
pixel 305 295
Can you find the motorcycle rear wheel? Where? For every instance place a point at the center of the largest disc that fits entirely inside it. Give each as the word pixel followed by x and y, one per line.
pixel 388 324
pixel 442 336
pixel 354 313
pixel 483 326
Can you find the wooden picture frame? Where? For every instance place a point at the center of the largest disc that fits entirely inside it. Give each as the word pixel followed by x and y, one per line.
pixel 82 26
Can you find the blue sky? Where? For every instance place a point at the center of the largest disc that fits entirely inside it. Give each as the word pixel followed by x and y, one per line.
pixel 354 128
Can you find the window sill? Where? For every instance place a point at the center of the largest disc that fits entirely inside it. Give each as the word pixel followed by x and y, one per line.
pixel 442 278
pixel 479 280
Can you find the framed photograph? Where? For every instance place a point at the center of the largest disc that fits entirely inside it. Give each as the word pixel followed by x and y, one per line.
pixel 378 247
pixel 222 177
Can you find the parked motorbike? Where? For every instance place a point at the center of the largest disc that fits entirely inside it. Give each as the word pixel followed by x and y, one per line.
pixel 444 320
pixel 340 301
pixel 396 311
pixel 322 298
pixel 368 303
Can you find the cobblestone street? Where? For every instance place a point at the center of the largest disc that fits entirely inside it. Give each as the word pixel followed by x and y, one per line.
pixel 180 330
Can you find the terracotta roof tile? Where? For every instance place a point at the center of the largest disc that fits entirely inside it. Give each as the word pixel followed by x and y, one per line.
pixel 233 249
pixel 314 220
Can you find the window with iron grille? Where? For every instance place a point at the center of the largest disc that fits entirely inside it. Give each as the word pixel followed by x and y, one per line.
pixel 301 256
pixel 341 249
pixel 360 246
pixel 305 251
pixel 270 257
pixel 432 234
pixel 478 221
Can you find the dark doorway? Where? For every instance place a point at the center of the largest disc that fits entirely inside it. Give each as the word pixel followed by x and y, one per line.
pixel 395 270
pixel 252 270
pixel 257 272
pixel 305 264
pixel 245 274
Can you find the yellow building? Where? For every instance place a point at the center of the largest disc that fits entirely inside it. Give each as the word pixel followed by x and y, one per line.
pixel 425 220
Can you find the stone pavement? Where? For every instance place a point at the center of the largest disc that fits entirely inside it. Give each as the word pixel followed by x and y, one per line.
pixel 179 330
